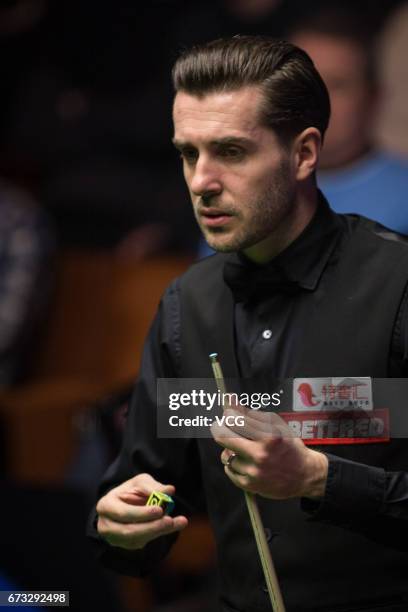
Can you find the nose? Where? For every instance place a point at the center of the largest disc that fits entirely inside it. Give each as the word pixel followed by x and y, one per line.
pixel 205 179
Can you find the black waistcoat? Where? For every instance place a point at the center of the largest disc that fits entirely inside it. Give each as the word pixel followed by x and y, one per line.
pixel 351 315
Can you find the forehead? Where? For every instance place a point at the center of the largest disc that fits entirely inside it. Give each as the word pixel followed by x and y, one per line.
pixel 218 114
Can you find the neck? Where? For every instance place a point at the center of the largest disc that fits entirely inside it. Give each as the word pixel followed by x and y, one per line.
pixel 289 228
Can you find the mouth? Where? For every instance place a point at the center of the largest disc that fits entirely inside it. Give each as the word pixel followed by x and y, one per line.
pixel 213 217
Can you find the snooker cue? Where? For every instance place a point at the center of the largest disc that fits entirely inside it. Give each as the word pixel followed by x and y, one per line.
pixel 264 552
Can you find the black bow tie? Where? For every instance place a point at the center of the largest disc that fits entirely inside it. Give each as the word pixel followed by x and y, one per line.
pixel 246 281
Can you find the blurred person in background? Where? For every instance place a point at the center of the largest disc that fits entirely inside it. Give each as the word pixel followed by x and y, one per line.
pixel 30 558
pixel 355 174
pixel 27 234
pixel 392 128
pixel 27 245
pixel 203 20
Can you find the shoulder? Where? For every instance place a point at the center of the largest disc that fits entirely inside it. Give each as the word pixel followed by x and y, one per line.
pixel 375 245
pixel 363 227
pixel 380 234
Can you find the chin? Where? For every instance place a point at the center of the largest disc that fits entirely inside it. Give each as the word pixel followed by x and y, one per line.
pixel 218 242
pixel 223 248
pixel 220 246
pixel 228 242
pixel 231 245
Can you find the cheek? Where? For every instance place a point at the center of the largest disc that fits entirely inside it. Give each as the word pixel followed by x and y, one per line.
pixel 255 179
pixel 236 183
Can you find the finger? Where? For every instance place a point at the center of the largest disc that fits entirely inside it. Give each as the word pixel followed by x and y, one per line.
pixel 236 464
pixel 165 523
pixel 120 511
pixel 136 490
pixel 252 430
pixel 268 418
pixel 143 484
pixel 242 424
pixel 228 457
pixel 133 536
pixel 258 425
pixel 243 481
pixel 226 438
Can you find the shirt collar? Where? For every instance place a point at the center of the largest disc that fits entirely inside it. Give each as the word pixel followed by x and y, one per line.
pixel 305 259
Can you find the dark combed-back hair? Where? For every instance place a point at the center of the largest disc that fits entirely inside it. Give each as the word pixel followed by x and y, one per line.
pixel 295 96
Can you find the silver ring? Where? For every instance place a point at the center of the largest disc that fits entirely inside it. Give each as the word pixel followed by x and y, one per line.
pixel 230 459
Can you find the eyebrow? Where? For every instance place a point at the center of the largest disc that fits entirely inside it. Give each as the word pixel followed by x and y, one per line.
pixel 228 140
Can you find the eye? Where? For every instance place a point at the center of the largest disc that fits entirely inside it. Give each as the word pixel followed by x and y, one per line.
pixel 231 152
pixel 189 155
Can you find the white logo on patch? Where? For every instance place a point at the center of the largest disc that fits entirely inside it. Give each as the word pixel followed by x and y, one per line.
pixel 332 394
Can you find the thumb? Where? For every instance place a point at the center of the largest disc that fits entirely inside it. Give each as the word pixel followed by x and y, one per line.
pixel 145 484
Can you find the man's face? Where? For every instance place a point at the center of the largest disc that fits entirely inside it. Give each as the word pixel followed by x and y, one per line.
pixel 238 174
pixel 341 64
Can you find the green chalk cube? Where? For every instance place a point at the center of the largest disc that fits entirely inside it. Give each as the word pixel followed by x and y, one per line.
pixel 161 499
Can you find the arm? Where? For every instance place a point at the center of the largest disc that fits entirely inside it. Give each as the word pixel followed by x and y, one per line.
pixel 273 463
pixel 366 499
pixel 130 538
pixel 372 500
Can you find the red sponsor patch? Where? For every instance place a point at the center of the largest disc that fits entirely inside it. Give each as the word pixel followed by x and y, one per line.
pixel 352 427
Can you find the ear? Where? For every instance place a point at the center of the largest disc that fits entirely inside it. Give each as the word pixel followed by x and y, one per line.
pixel 306 148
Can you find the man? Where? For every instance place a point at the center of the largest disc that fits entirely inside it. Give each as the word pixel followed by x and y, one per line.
pixel 355 174
pixel 296 290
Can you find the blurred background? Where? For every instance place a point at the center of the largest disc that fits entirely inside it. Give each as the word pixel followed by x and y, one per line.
pixel 95 221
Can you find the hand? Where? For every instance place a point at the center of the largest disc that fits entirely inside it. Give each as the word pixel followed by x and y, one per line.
pixel 124 519
pixel 269 459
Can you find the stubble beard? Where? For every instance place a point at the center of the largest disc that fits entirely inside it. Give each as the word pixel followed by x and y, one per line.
pixel 264 215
